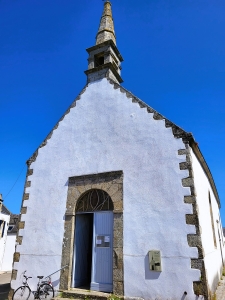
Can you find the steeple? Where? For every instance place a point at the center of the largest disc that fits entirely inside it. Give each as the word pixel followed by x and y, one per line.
pixel 106 28
pixel 104 58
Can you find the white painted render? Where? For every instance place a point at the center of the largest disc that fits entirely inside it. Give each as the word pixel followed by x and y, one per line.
pixel 9 251
pixel 107 132
pixel 3 239
pixel 213 260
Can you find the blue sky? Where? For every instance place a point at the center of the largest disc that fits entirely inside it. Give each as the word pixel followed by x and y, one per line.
pixel 174 60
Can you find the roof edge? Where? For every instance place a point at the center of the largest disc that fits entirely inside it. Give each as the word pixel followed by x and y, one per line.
pixel 178 132
pixel 35 154
pixel 5 210
pixel 205 167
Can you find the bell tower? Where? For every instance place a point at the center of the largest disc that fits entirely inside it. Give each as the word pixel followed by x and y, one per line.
pixel 104 58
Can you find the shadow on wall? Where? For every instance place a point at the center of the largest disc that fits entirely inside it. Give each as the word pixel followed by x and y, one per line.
pixel 215 282
pixel 55 283
pixel 153 275
pixel 150 275
pixel 184 296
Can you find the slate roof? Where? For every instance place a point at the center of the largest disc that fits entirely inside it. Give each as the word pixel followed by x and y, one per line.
pixel 5 210
pixel 14 221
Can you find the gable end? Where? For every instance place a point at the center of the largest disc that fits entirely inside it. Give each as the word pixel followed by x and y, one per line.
pixel 177 131
pixel 44 143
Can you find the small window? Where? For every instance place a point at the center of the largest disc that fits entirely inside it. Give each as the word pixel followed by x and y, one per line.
pixel 221 229
pixel 10 227
pixel 212 221
pixel 2 228
pixel 99 60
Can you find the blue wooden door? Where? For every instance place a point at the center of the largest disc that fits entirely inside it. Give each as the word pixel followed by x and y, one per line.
pixel 102 254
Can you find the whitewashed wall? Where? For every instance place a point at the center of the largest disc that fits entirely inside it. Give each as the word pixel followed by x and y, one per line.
pixel 107 132
pixel 9 251
pixel 213 260
pixel 3 239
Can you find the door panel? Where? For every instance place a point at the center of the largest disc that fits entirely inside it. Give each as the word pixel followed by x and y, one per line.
pixel 102 258
pixel 83 248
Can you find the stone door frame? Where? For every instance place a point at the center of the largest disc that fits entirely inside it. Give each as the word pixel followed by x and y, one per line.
pixel 111 183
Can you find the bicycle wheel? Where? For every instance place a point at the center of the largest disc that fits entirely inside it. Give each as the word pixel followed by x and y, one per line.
pixel 45 292
pixel 22 293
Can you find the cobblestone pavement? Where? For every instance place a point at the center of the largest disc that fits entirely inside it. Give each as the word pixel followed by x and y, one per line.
pixel 4 285
pixel 220 292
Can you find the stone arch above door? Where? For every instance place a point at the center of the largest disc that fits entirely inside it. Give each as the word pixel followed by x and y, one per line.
pixel 78 186
pixel 94 200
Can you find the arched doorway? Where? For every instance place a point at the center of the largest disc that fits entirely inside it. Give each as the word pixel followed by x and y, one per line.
pixel 93 243
pixel 78 186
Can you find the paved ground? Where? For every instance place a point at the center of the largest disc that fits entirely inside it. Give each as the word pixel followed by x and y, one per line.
pixel 220 292
pixel 6 276
pixel 4 285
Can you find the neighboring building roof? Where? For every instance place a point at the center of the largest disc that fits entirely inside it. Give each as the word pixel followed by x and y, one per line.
pixel 13 223
pixel 5 210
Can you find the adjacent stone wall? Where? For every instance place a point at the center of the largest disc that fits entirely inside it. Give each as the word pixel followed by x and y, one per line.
pixel 112 183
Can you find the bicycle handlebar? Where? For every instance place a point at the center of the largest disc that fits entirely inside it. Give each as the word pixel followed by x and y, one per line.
pixel 26 277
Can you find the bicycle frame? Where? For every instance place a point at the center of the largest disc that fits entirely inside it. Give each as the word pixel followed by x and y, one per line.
pixel 44 286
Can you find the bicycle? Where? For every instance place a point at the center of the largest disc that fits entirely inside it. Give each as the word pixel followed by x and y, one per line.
pixel 44 290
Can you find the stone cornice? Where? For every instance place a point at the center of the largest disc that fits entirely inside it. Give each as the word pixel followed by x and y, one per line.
pixel 110 43
pixel 106 66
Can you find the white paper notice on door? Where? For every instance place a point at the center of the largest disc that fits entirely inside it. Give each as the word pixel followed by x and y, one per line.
pixel 98 241
pixel 107 239
pixel 103 241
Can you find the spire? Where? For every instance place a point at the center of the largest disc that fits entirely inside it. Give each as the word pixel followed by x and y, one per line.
pixel 104 59
pixel 106 28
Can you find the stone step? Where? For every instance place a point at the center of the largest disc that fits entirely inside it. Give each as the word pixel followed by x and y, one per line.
pixel 78 294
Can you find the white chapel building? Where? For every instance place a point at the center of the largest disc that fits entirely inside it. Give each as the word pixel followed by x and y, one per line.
pixel 120 195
